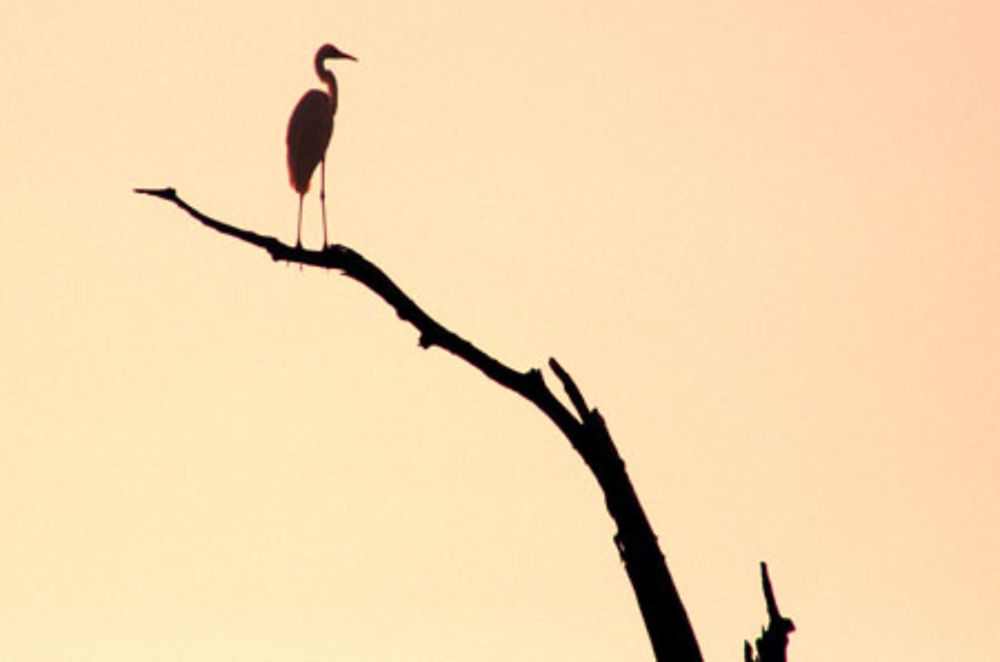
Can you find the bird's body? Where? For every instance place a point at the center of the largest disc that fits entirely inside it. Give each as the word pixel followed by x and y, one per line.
pixel 309 132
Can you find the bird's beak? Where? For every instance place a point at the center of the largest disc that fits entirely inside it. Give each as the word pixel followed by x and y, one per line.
pixel 348 57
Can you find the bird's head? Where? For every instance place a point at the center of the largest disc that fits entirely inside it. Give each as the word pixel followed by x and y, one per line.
pixel 329 51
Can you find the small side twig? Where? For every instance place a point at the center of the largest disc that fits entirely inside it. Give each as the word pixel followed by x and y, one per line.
pixel 571 390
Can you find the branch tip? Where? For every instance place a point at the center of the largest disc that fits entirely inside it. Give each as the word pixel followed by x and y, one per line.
pixel 773 613
pixel 169 193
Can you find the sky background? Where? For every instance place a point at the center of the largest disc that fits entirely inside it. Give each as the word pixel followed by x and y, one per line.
pixel 762 237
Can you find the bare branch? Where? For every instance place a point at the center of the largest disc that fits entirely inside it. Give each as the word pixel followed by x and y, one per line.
pixel 772 605
pixel 270 244
pixel 666 620
pixel 355 266
pixel 772 644
pixel 571 390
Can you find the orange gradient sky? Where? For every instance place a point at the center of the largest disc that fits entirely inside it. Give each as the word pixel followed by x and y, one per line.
pixel 763 237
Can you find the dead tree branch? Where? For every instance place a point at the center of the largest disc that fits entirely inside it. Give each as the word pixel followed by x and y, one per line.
pixel 666 620
pixel 772 643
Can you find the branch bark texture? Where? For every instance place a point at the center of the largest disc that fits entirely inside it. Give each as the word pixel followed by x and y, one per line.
pixel 664 615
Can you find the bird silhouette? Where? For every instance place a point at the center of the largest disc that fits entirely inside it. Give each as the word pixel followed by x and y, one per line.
pixel 309 131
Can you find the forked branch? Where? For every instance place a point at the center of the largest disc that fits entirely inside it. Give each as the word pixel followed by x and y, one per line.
pixel 666 620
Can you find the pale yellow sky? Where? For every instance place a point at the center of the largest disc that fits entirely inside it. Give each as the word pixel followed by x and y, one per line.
pixel 764 240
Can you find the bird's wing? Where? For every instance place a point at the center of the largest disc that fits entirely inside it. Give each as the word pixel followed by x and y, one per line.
pixel 309 131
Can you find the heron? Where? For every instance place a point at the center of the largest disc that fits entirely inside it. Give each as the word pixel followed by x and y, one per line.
pixel 309 131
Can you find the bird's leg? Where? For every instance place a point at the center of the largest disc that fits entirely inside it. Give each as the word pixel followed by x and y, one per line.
pixel 322 195
pixel 298 236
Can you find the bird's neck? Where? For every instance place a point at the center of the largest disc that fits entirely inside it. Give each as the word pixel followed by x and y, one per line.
pixel 331 86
